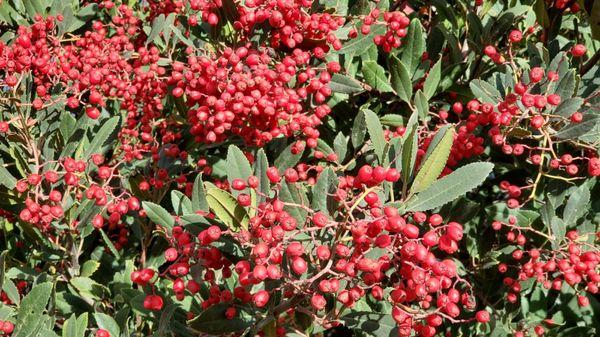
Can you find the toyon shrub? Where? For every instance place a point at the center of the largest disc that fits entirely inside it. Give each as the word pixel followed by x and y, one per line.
pixel 299 168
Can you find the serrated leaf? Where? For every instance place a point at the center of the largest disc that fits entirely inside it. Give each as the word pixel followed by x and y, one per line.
pixel 199 202
pixel 359 129
pixel 576 205
pixel 101 137
pixel 409 154
pixel 238 166
pixel 433 79
pixel 559 229
pixel 6 178
pixel 158 24
pixel 158 215
pixel 107 323
pixel 375 130
pixel 450 187
pixel 375 76
pixel 485 92
pixel 31 309
pixel 261 164
pixel 340 146
pixel 294 194
pixel 392 120
pixel 413 46
pixel 400 79
pixel 322 190
pixel 567 107
pixel 435 162
pixel 345 84
pixel 422 104
pixel 227 209
pixel 287 159
pixel 89 267
pixel 181 203
pixel 575 130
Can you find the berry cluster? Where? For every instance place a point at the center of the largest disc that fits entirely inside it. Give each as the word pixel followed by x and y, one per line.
pixel 246 92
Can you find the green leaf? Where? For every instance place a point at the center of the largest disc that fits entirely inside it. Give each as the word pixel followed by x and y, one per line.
pixel 565 87
pixel 89 267
pixel 559 229
pixel 409 154
pixel 213 321
pixel 340 146
pixel 588 125
pixel 576 205
pixel 199 202
pixel 158 215
pixel 413 46
pixel 30 312
pixel 74 326
pixel 294 194
pixel 371 323
pixel 109 244
pixel 567 107
pixel 238 166
pixel 433 79
pixel 359 130
pixel 435 162
pixel 485 92
pixel 158 24
pixel 287 159
pixel 261 164
pixel 375 76
pixel 375 130
pixel 107 323
pixel 322 190
pixel 345 84
pixel 227 209
pixel 422 104
pixel 2 267
pixel 450 187
pixel 181 203
pixel 67 125
pixel 401 82
pixel 101 137
pixel 392 120
pixel 6 178
pixel 362 43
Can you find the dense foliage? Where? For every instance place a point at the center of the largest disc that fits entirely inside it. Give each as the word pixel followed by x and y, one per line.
pixel 299 168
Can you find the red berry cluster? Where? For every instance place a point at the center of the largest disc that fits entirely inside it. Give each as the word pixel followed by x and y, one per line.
pixel 395 24
pixel 371 240
pixel 572 262
pixel 246 92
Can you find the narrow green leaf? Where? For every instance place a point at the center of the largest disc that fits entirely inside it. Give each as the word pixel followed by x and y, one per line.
pixel 158 24
pixel 359 130
pixel 345 84
pixel 6 178
pixel 158 215
pixel 436 161
pixel 238 166
pixel 2 267
pixel 375 130
pixel 322 190
pixel 31 309
pixel 409 154
pixel 559 229
pixel 227 209
pixel 422 104
pixel 181 203
pixel 576 205
pixel 433 79
pixel 567 107
pixel 199 202
pixel 375 76
pixel 340 146
pixel 485 92
pixel 89 267
pixel 101 137
pixel 413 46
pixel 287 159
pixel 400 78
pixel 261 164
pixel 450 187
pixel 212 321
